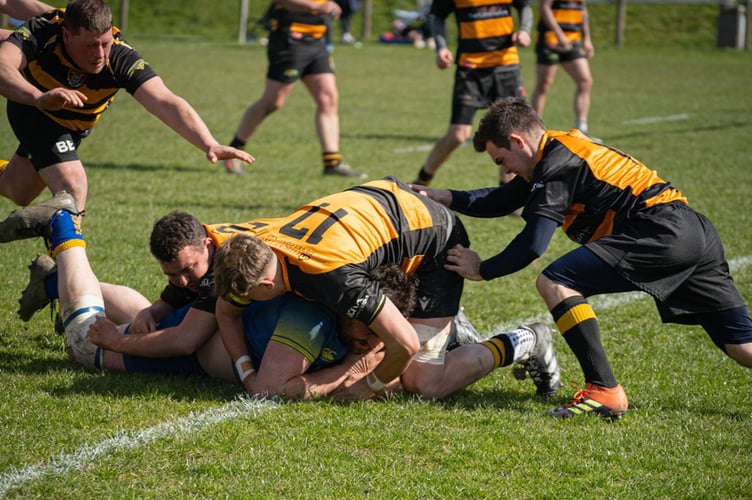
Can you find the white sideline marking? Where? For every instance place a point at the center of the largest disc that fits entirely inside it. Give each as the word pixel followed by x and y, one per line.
pixel 242 406
pixel 657 119
pixel 127 440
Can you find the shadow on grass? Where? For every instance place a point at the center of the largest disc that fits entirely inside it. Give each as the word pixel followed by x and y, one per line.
pixel 127 385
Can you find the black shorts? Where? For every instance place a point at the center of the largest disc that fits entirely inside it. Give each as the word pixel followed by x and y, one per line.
pixel 439 291
pixel 291 59
pixel 548 56
pixel 41 140
pixel 479 88
pixel 669 251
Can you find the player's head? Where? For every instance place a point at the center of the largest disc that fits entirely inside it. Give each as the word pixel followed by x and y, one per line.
pixel 184 251
pixel 239 265
pixel 507 115
pixel 90 15
pixel 396 284
pixel 88 34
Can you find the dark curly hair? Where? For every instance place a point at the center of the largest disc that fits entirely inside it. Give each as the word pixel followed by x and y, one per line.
pixel 174 232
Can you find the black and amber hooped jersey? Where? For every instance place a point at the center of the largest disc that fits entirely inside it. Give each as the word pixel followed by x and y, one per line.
pixel 328 247
pixel 48 66
pixel 299 24
pixel 485 29
pixel 592 189
pixel 570 15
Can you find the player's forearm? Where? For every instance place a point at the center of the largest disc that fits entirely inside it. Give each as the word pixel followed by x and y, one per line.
pixel 15 88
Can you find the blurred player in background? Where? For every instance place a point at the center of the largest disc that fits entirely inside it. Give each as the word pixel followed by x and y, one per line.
pixel 564 38
pixel 297 50
pixel 21 10
pixel 488 66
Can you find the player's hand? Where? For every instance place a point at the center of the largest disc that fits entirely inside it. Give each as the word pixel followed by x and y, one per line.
pixel 464 262
pixel 331 9
pixel 104 333
pixel 353 389
pixel 444 58
pixel 442 196
pixel 143 322
pixel 521 38
pixel 59 98
pixel 220 152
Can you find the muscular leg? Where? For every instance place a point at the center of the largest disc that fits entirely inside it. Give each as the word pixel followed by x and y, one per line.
pixel 544 79
pixel 323 89
pixel 579 70
pixel 22 184
pixel 273 98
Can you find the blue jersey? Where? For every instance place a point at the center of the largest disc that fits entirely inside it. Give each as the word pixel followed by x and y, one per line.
pixel 308 328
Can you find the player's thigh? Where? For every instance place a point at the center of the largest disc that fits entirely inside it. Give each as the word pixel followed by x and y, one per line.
pixel 578 69
pixel 20 181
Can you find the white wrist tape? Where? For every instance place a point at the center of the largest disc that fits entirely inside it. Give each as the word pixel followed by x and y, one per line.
pixel 244 373
pixel 374 383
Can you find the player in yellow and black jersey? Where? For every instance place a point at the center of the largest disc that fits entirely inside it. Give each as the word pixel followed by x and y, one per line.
pixel 326 251
pixel 60 72
pixel 636 230
pixel 488 65
pixel 564 38
pixel 297 50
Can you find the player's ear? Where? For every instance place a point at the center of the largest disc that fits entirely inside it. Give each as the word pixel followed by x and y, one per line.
pixel 517 139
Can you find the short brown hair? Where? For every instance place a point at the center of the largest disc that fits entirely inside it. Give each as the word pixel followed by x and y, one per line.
pixel 238 265
pixel 91 15
pixel 502 118
pixel 174 232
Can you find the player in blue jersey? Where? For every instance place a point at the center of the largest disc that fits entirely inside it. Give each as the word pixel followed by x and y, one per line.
pixel 636 230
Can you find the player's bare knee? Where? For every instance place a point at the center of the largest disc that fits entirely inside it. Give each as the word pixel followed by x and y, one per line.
pixel 741 353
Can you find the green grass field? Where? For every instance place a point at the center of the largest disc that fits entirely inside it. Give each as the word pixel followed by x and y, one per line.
pixel 65 432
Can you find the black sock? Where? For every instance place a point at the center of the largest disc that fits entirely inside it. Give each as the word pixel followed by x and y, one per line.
pixel 577 323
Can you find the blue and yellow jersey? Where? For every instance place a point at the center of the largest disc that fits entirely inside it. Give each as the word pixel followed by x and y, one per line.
pixel 328 247
pixel 570 15
pixel 305 327
pixel 485 29
pixel 299 24
pixel 591 189
pixel 48 66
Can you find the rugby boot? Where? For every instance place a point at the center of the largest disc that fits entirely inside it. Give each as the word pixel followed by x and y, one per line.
pixel 541 364
pixel 464 331
pixel 606 402
pixel 33 221
pixel 344 170
pixel 34 297
pixel 234 166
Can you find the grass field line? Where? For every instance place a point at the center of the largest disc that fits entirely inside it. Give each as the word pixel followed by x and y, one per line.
pixel 127 440
pixel 242 406
pixel 657 119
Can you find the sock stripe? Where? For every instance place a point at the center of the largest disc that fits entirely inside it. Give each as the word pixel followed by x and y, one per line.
pixel 497 348
pixel 79 312
pixel 573 317
pixel 66 245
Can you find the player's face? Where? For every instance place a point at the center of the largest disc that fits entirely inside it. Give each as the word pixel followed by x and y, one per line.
pixel 515 160
pixel 90 51
pixel 191 264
